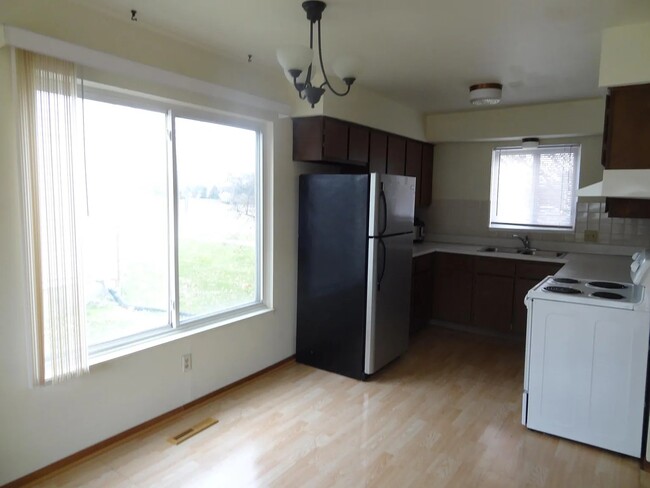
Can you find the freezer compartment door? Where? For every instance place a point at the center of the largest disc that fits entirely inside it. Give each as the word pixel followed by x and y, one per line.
pixel 388 306
pixel 392 204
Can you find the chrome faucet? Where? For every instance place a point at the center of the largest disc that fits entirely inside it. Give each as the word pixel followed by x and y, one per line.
pixel 525 241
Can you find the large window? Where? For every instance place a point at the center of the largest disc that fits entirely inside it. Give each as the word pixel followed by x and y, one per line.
pixel 172 229
pixel 534 188
pixel 143 216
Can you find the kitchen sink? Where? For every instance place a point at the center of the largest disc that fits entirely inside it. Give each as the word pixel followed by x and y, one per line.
pixel 530 252
pixel 509 250
pixel 542 254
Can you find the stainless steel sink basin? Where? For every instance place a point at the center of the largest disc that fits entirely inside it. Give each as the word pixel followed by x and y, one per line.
pixel 509 250
pixel 542 254
pixel 529 252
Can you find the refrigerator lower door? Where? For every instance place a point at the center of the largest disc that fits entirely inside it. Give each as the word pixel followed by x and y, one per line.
pixel 388 304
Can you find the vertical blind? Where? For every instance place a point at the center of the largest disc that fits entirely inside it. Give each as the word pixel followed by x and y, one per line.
pixel 534 188
pixel 53 188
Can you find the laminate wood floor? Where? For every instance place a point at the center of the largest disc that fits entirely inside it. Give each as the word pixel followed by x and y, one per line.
pixel 447 414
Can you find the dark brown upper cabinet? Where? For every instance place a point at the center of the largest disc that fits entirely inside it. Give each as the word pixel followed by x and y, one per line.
pixel 360 149
pixel 626 142
pixel 335 140
pixel 378 152
pixel 396 156
pixel 324 139
pixel 358 145
pixel 627 137
pixel 413 166
pixel 427 175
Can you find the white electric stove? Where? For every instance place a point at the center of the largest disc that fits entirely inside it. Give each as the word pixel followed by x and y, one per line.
pixel 586 358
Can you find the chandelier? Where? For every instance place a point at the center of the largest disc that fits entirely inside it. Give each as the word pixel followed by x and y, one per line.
pixel 298 62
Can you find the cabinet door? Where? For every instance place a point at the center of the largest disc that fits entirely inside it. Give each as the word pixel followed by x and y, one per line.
pixel 426 181
pixel 493 287
pixel 628 208
pixel 413 166
pixel 308 139
pixel 452 288
pixel 421 292
pixel 335 140
pixel 628 127
pixel 378 152
pixel 359 140
pixel 492 303
pixel 396 155
pixel 626 142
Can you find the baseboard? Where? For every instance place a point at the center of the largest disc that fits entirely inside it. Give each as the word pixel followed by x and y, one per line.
pixel 101 446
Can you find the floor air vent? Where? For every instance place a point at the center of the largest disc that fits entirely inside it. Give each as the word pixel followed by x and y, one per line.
pixel 192 431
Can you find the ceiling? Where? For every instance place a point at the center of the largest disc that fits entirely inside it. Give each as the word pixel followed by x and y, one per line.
pixel 423 53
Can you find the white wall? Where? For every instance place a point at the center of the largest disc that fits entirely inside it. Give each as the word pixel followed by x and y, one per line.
pixel 44 424
pixel 546 120
pixel 624 55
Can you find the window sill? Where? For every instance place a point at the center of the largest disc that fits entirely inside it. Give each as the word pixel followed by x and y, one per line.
pixel 173 335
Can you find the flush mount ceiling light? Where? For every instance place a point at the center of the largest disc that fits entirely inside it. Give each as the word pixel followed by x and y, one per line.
pixel 485 93
pixel 297 62
pixel 530 143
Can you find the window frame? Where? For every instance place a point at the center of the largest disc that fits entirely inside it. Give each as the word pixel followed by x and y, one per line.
pixel 175 329
pixel 493 224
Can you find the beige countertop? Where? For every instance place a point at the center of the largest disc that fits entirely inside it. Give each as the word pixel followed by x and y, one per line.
pixel 576 265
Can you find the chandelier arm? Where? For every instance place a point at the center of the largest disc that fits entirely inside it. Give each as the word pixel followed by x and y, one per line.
pixel 311 46
pixel 300 89
pixel 322 68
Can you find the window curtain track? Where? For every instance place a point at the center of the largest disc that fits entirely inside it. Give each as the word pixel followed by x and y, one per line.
pixel 53 178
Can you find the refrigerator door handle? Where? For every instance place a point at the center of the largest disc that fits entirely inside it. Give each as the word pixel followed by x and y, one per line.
pixel 383 211
pixel 383 263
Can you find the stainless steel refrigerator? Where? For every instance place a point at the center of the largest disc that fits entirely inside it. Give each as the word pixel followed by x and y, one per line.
pixel 354 271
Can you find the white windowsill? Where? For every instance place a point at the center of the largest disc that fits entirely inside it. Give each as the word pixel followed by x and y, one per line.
pixel 173 335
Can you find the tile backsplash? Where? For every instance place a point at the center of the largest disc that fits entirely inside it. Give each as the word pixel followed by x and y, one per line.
pixel 470 218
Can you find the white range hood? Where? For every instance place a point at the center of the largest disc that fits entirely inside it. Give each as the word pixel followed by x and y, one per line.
pixel 620 183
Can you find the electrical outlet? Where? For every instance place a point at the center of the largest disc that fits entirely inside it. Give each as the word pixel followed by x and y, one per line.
pixel 591 236
pixel 186 361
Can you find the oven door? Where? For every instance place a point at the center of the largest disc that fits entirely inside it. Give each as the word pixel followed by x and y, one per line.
pixel 586 373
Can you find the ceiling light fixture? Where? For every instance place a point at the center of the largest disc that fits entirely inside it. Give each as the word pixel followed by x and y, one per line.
pixel 297 61
pixel 485 93
pixel 530 143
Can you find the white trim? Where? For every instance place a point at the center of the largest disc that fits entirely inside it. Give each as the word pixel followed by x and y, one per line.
pixel 175 334
pixel 108 62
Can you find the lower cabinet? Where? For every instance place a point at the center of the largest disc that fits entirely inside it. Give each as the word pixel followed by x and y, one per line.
pixel 453 277
pixel 494 281
pixel 485 292
pixel 421 292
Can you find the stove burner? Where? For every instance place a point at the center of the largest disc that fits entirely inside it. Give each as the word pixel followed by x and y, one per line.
pixel 607 294
pixel 607 284
pixel 562 289
pixel 566 281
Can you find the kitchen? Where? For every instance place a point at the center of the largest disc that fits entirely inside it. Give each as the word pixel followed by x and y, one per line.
pixel 43 426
